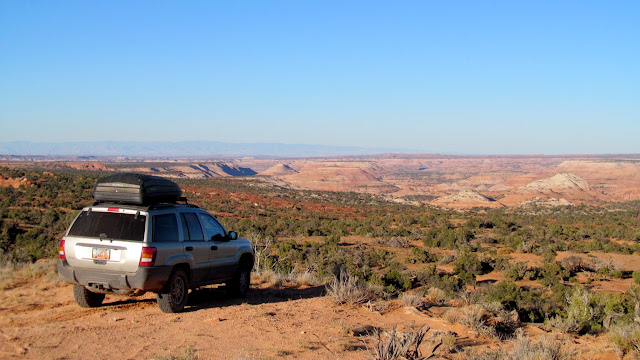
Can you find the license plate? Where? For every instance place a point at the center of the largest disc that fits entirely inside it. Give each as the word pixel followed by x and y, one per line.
pixel 101 254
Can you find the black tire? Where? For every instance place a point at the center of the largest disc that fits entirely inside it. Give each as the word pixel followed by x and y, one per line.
pixel 86 298
pixel 239 285
pixel 174 296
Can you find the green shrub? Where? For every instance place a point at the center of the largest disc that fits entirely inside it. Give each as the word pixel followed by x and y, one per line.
pixel 420 256
pixel 396 279
pixel 516 271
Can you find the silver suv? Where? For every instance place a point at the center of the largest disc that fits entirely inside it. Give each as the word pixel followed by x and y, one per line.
pixel 163 248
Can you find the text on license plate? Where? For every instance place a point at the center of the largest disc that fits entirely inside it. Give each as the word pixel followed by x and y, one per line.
pixel 101 254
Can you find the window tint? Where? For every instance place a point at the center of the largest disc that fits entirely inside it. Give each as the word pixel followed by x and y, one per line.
pixel 113 225
pixel 211 226
pixel 165 228
pixel 191 227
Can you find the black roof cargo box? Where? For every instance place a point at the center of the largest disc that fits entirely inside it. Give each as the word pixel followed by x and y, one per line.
pixel 138 189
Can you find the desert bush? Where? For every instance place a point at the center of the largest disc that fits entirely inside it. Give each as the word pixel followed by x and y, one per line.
pixel 420 256
pixel 378 306
pixel 506 293
pixel 395 279
pixel 12 274
pixel 306 277
pixel 431 278
pixel 413 299
pixel 551 348
pixel 532 305
pixel 436 296
pixel 545 348
pixel 392 345
pixel 468 265
pixel 551 273
pixel 633 298
pixel 589 313
pixel 474 317
pixel 347 289
pixel 447 259
pixel 394 242
pixel 626 339
pixel 515 271
pixel 490 319
pixel 448 341
pixel 579 313
pixel 574 264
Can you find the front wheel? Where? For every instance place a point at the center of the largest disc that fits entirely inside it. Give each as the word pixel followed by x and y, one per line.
pixel 239 285
pixel 174 296
pixel 86 298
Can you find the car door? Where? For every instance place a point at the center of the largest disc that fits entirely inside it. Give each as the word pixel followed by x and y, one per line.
pixel 196 246
pixel 223 262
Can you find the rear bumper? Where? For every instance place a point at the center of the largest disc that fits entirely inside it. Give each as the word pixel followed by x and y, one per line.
pixel 148 279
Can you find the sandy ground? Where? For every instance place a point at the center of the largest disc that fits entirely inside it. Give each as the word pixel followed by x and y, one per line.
pixel 40 320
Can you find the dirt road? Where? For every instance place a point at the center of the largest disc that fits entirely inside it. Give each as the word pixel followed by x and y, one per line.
pixel 40 320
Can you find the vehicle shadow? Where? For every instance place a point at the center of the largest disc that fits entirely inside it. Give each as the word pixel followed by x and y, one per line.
pixel 120 302
pixel 209 297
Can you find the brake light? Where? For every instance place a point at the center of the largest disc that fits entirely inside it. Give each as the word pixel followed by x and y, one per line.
pixel 148 256
pixel 113 210
pixel 61 253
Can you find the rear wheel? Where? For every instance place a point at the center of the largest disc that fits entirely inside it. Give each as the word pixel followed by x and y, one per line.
pixel 239 285
pixel 174 296
pixel 86 298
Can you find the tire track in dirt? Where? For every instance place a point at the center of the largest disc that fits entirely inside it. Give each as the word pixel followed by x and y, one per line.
pixel 18 349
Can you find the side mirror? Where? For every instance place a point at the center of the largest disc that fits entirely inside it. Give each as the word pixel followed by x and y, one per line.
pixel 232 235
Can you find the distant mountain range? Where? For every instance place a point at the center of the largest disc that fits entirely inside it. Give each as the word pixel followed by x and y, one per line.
pixel 183 148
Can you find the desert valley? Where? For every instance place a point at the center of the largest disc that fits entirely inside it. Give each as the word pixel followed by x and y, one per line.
pixel 458 257
pixel 458 182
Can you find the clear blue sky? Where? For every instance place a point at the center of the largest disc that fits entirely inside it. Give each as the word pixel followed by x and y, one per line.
pixel 478 77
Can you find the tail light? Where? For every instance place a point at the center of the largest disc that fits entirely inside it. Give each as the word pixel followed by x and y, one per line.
pixel 148 256
pixel 61 253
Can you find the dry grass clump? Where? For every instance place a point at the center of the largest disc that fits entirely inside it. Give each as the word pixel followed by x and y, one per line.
pixel 306 277
pixel 447 341
pixel 411 299
pixel 295 277
pixel 378 306
pixel 348 289
pixel 626 339
pixel 546 348
pixel 270 277
pixel 187 353
pixel 551 348
pixel 13 274
pixel 474 317
pixel 392 345
pixel 436 296
pixel 489 320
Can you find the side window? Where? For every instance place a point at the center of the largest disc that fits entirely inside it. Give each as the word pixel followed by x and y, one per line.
pixel 211 227
pixel 191 227
pixel 165 228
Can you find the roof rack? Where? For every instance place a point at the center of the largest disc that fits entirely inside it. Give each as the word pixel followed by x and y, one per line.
pixel 167 205
pixel 150 206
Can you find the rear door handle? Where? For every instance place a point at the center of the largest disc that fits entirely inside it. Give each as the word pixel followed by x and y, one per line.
pixel 214 247
pixel 189 248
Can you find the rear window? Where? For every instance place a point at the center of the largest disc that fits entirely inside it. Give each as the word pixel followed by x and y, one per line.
pixel 113 225
pixel 165 228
